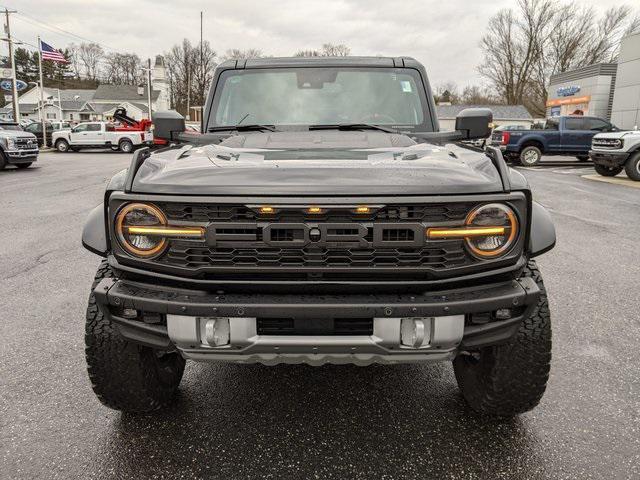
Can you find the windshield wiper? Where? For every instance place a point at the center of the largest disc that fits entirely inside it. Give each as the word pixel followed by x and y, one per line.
pixel 244 128
pixel 353 126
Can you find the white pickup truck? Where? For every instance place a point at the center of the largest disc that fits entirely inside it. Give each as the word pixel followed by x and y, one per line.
pixel 100 135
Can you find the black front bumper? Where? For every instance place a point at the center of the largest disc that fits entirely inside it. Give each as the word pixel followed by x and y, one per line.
pixel 520 296
pixel 608 159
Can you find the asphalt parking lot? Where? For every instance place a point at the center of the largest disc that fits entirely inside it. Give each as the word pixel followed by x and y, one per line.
pixel 341 422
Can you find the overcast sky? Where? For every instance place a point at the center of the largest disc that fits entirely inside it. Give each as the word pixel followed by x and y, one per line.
pixel 442 34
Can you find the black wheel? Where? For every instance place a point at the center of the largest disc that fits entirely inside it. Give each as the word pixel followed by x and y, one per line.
pixel 632 167
pixel 3 161
pixel 24 165
pixel 124 375
pixel 510 379
pixel 126 146
pixel 583 158
pixel 62 145
pixel 530 156
pixel 607 171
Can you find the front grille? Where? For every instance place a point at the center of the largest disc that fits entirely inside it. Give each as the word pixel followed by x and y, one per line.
pixel 312 326
pixel 26 143
pixel 607 143
pixel 443 256
pixel 235 213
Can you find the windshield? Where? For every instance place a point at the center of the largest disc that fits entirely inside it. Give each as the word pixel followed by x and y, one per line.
pixel 321 96
pixel 11 127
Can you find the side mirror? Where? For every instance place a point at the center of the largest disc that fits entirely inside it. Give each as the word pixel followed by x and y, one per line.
pixel 168 125
pixel 474 123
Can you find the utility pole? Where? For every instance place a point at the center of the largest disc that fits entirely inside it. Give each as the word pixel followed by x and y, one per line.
pixel 149 86
pixel 14 87
pixel 201 72
pixel 188 92
pixel 42 116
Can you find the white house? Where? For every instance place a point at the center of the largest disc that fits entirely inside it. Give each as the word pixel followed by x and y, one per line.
pixel 96 104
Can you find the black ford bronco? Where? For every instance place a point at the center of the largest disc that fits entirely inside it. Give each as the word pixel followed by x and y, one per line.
pixel 319 217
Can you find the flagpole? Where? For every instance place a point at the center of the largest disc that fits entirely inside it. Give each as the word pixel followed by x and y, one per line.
pixel 42 119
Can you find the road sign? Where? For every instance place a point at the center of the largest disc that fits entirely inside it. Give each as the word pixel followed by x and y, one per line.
pixel 6 85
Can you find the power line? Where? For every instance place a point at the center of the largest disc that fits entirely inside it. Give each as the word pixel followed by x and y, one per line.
pixel 34 21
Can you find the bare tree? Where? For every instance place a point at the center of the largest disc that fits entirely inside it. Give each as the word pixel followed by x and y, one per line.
pixel 237 54
pixel 478 95
pixel 523 47
pixel 327 50
pixel 123 69
pixel 73 56
pixel 90 56
pixel 190 71
pixel 335 50
pixel 446 93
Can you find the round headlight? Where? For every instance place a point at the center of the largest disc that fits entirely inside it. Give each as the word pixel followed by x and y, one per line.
pixel 140 215
pixel 498 217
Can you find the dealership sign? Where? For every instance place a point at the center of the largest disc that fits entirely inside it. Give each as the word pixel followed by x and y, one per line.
pixel 6 85
pixel 568 91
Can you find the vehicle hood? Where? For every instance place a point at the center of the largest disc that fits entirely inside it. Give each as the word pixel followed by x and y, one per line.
pixel 318 163
pixel 16 134
pixel 617 135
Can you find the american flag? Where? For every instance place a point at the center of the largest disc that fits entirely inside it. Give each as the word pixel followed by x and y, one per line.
pixel 50 53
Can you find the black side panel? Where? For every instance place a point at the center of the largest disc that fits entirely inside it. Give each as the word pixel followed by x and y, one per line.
pixel 94 236
pixel 543 232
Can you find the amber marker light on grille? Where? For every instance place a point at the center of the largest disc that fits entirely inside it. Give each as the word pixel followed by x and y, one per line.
pixel 191 232
pixel 363 210
pixel 314 210
pixel 267 210
pixel 435 233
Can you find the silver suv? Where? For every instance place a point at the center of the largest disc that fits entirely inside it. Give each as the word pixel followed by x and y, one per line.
pixel 17 147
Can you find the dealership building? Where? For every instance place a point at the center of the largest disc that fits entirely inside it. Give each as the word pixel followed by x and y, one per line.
pixel 606 90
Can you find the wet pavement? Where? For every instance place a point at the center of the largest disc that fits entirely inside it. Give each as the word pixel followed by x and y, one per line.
pixel 233 421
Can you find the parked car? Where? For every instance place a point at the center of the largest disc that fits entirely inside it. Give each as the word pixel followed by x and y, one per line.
pixel 569 135
pixel 100 135
pixel 17 147
pixel 64 125
pixel 36 129
pixel 319 233
pixel 616 151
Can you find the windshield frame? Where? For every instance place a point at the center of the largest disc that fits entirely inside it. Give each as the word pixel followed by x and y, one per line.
pixel 427 124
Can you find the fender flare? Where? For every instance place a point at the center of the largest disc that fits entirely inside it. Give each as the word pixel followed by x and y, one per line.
pixel 543 232
pixel 94 235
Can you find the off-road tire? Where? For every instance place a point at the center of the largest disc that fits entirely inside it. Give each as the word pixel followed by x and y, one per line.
pixel 530 156
pixel 607 171
pixel 124 375
pixel 126 146
pixel 62 145
pixel 509 379
pixel 632 167
pixel 3 161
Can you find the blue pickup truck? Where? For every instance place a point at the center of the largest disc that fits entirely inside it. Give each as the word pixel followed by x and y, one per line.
pixel 570 135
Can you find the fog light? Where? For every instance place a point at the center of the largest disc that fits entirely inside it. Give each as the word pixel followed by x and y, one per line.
pixel 415 332
pixel 503 314
pixel 216 331
pixel 130 313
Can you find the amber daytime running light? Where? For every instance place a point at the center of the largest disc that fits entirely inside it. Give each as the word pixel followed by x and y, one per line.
pixel 489 231
pixel 142 230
